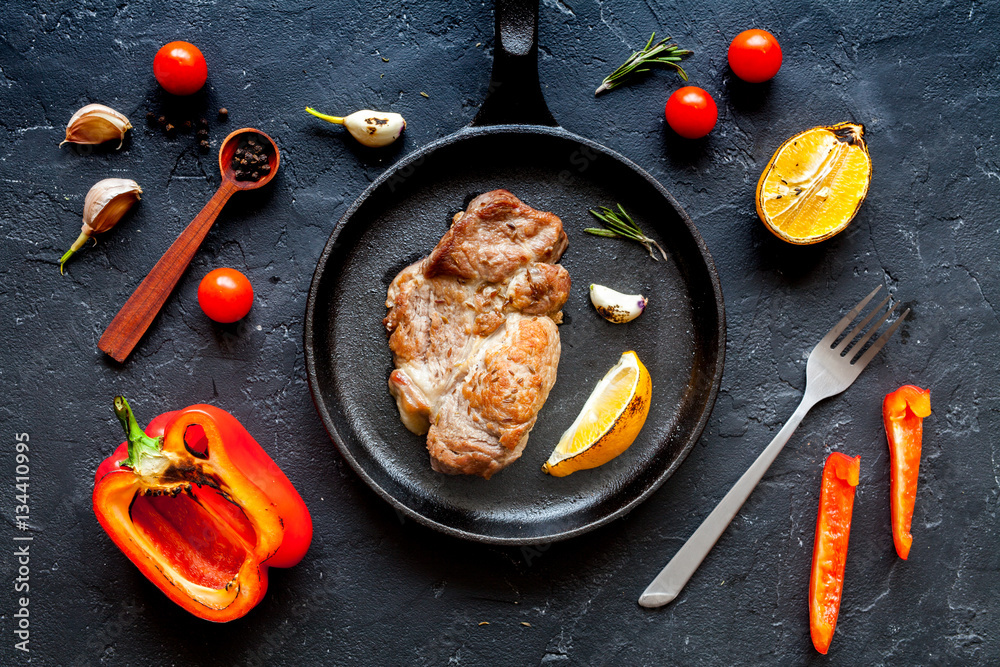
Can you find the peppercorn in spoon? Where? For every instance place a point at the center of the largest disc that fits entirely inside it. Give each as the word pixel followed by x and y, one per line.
pixel 248 160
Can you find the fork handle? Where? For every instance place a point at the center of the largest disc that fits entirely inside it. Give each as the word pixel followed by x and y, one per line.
pixel 671 580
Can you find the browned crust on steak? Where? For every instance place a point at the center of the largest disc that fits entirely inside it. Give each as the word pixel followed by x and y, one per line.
pixel 472 329
pixel 496 235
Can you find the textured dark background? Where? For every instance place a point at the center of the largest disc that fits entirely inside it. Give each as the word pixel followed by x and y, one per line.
pixel 923 79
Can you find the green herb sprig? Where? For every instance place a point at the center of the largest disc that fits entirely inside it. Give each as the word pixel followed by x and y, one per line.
pixel 662 53
pixel 619 224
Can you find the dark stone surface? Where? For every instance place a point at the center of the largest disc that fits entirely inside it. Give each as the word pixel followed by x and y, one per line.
pixel 923 79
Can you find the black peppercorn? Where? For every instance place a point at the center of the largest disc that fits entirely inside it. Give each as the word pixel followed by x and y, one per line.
pixel 187 126
pixel 203 146
pixel 150 117
pixel 162 120
pixel 203 123
pixel 202 133
pixel 223 113
pixel 250 160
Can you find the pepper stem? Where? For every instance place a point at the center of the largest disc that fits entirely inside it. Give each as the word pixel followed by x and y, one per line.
pixel 77 244
pixel 140 446
pixel 331 119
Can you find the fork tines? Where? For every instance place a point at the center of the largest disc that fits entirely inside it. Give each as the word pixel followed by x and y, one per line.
pixel 855 348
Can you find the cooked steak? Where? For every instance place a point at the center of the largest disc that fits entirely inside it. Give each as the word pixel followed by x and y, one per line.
pixel 473 333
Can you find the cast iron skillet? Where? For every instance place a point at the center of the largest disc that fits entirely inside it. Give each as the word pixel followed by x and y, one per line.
pixel 514 143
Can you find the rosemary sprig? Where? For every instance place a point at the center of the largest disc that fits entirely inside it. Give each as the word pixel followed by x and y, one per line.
pixel 639 62
pixel 620 225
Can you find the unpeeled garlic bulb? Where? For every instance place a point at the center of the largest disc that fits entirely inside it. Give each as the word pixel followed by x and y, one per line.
pixel 104 206
pixel 95 124
pixel 371 128
pixel 615 306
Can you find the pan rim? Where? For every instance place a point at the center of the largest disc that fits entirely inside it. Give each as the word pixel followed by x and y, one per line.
pixel 414 159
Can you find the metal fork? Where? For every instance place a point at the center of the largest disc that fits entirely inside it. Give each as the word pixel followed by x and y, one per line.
pixel 832 367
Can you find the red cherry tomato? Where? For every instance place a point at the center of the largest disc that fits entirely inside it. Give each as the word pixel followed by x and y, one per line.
pixel 755 56
pixel 691 112
pixel 225 295
pixel 180 68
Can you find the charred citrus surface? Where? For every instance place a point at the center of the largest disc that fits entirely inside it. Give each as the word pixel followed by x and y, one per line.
pixel 815 183
pixel 609 421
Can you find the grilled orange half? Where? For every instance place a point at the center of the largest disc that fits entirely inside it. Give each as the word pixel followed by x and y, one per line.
pixel 815 183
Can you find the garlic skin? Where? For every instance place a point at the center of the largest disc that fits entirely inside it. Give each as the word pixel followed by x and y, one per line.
pixel 617 307
pixel 371 128
pixel 95 124
pixel 106 203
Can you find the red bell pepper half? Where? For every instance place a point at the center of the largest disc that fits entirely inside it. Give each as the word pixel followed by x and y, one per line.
pixel 903 413
pixel 833 527
pixel 200 509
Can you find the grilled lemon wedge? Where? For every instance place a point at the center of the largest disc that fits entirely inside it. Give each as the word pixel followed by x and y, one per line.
pixel 815 183
pixel 609 422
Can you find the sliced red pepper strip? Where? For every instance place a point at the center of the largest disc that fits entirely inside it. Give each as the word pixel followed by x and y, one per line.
pixel 200 509
pixel 833 527
pixel 903 413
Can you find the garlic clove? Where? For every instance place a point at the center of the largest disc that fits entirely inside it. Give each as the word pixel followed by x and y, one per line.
pixel 615 306
pixel 106 203
pixel 375 128
pixel 95 124
pixel 372 128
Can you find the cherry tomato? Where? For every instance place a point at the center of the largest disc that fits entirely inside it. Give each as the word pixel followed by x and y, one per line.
pixel 691 112
pixel 225 295
pixel 180 68
pixel 755 56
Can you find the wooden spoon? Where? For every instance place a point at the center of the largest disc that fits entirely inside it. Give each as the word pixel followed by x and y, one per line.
pixel 141 309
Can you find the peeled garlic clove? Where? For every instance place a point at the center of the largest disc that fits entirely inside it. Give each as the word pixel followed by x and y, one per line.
pixel 375 128
pixel 371 128
pixel 104 206
pixel 615 306
pixel 95 124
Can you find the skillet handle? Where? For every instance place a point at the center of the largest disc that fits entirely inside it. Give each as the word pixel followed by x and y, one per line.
pixel 515 95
